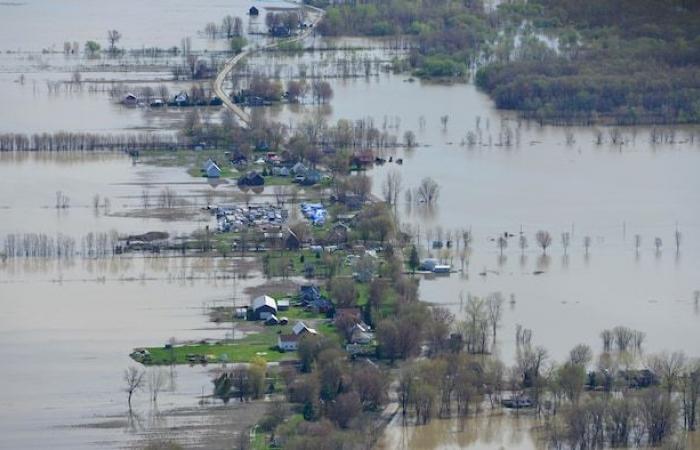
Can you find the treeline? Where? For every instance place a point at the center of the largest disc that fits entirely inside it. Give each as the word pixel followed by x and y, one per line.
pixel 624 62
pixel 448 35
pixel 78 141
pixel 40 245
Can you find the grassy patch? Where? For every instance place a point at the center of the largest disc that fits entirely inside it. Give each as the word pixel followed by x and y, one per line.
pixel 259 344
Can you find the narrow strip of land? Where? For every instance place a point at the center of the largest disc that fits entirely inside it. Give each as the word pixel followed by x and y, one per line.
pixel 316 14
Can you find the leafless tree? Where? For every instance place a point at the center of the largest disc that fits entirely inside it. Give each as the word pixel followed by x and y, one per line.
pixel 428 191
pixel 157 380
pixel 565 241
pixel 443 120
pixel 581 355
pixel 658 243
pixel 409 139
pixel 637 242
pixel 392 187
pixel 502 243
pixel 134 379
pixel 522 242
pixel 678 237
pixel 113 36
pixel 587 243
pixel 494 310
pixel 668 367
pixel 544 240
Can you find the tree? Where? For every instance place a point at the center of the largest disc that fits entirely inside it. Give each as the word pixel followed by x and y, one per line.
pixel 413 261
pixel 668 367
pixel 565 241
pixel 581 355
pixel 134 379
pixel 392 187
pixel 157 379
pixel 343 292
pixel 92 48
pixel 428 191
pixel 494 311
pixel 587 243
pixel 544 239
pixel 113 36
pixel 274 416
pixel 522 242
pixel 345 409
pixel 409 139
pixel 502 243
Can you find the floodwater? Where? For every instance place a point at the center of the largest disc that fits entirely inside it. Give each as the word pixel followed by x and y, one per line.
pixel 65 331
pixel 36 25
pixel 65 335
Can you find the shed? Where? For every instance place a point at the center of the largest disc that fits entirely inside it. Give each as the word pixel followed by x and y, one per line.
pixel 283 304
pixel 300 329
pixel 213 171
pixel 263 307
pixel 130 99
pixel 288 342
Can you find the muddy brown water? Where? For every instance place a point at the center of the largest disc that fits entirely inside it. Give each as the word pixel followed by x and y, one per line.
pixel 74 324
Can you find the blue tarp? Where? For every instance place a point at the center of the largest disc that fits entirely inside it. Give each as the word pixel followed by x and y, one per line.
pixel 315 212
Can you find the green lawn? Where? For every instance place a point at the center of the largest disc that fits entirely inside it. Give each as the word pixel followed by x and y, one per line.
pixel 244 350
pixel 263 344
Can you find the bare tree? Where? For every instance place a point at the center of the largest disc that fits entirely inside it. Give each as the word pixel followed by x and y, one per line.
pixel 494 310
pixel 134 380
pixel 637 242
pixel 581 355
pixel 157 380
pixel 522 242
pixel 502 243
pixel 565 241
pixel 428 191
pixel 409 139
pixel 668 367
pixel 392 187
pixel 113 36
pixel 678 237
pixel 587 243
pixel 658 243
pixel 544 239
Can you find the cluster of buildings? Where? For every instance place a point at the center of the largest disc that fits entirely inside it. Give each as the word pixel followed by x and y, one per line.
pixel 234 218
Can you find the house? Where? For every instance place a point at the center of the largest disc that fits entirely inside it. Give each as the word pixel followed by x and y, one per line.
pixel 251 179
pixel 338 233
pixel 283 304
pixel 130 99
pixel 309 293
pixel 360 335
pixel 288 342
pixel 292 242
pixel 253 11
pixel 213 171
pixel 301 329
pixel 263 307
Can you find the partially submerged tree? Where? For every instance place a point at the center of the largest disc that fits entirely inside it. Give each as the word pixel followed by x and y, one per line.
pixel 134 379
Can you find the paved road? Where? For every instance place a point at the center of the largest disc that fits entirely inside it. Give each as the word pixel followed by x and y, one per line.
pixel 244 117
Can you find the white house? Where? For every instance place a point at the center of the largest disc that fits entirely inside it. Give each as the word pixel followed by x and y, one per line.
pixel 288 342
